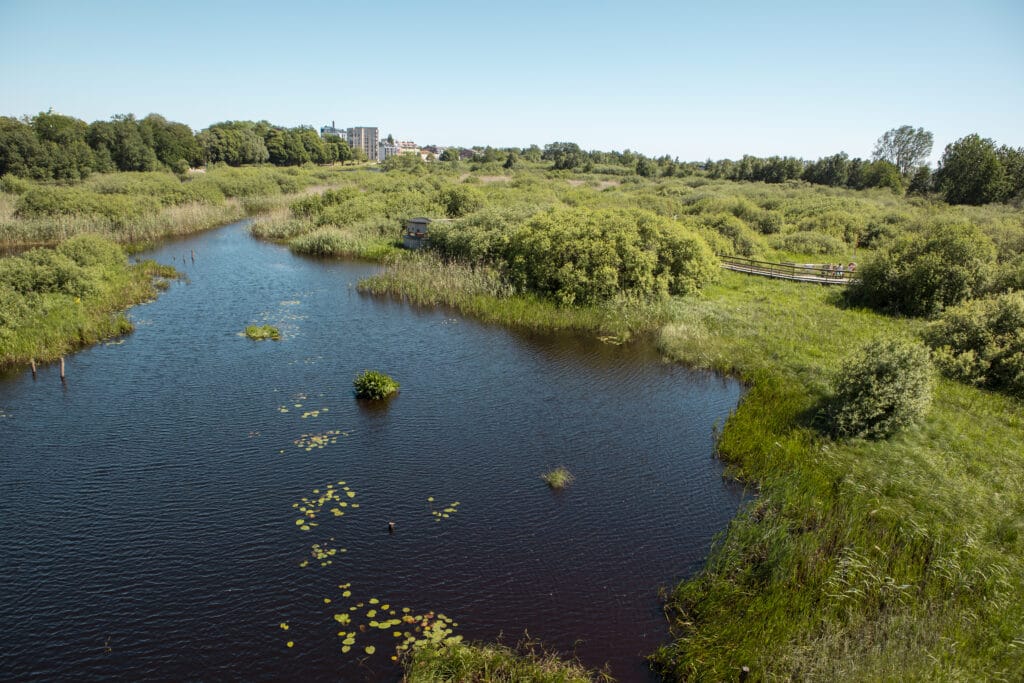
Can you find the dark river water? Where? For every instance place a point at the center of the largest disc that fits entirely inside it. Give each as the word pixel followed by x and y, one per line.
pixel 149 510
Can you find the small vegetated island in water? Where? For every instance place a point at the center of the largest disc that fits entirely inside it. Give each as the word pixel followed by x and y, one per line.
pixel 375 386
pixel 261 332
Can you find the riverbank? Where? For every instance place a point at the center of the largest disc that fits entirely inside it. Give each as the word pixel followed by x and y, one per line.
pixel 54 302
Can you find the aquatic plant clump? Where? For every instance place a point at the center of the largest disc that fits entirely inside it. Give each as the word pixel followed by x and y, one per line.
pixel 558 478
pixel 374 385
pixel 261 332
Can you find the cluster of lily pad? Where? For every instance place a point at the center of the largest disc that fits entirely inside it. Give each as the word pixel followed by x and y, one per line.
pixel 405 626
pixel 310 441
pixel 330 498
pixel 322 553
pixel 443 513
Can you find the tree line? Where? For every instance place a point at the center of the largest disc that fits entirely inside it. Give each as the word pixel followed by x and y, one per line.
pixel 51 146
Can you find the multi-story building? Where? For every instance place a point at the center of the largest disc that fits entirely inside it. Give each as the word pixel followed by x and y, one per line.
pixel 366 139
pixel 360 137
pixel 387 150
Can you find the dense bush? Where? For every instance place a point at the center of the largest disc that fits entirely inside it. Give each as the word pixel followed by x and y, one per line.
pixel 44 271
pixel 743 240
pixel 923 273
pixel 460 200
pixel 90 250
pixel 810 243
pixel 982 342
pixel 581 256
pixel 374 385
pixel 884 387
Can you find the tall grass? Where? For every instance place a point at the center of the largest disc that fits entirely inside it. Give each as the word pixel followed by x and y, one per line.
pixel 461 663
pixel 859 560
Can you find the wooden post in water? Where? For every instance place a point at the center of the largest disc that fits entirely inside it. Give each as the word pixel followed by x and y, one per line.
pixel 32 362
pixel 193 256
pixel 62 368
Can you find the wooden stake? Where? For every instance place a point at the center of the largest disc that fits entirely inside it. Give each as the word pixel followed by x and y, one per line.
pixel 193 256
pixel 32 362
pixel 62 368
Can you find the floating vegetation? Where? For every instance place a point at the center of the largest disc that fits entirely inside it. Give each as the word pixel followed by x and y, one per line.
pixel 114 343
pixel 324 554
pixel 364 619
pixel 290 303
pixel 4 415
pixel 330 498
pixel 314 413
pixel 261 332
pixel 445 512
pixel 558 478
pixel 311 441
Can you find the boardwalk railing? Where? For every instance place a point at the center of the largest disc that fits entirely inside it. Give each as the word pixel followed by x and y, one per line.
pixel 820 273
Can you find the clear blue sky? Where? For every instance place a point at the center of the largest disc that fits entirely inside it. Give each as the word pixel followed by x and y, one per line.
pixel 689 79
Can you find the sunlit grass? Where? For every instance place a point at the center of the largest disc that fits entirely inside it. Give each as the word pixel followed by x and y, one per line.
pixel 461 662
pixel 859 560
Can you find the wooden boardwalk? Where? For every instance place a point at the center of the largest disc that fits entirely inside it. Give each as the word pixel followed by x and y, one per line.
pixel 801 272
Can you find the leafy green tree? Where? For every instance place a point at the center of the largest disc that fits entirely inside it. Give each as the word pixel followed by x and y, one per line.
pixel 565 155
pixel 511 160
pixel 971 172
pixel 881 173
pixel 921 182
pixel 450 155
pixel 904 147
pixel 20 151
pixel 883 388
pixel 646 168
pixel 173 143
pixel 1012 159
pixel 833 170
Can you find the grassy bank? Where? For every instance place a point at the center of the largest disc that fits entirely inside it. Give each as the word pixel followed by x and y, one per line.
pixel 860 560
pixel 465 663
pixel 53 302
pixel 134 208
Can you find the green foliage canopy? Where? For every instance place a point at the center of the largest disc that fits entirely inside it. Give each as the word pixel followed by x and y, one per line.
pixel 923 273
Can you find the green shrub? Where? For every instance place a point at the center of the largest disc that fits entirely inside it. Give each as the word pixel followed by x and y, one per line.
pixel 744 241
pixel 44 271
pixel 582 256
pixel 374 385
pixel 982 342
pixel 90 250
pixel 460 200
pixel 884 387
pixel 923 273
pixel 261 332
pixel 810 243
pixel 558 478
pixel 14 184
